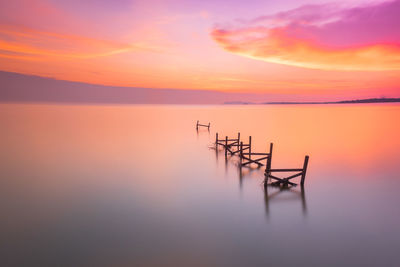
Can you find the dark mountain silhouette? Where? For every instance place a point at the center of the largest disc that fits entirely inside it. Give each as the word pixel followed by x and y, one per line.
pixel 355 101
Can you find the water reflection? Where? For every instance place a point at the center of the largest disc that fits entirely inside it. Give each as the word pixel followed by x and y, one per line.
pixel 103 190
pixel 202 130
pixel 271 190
pixel 245 172
pixel 275 190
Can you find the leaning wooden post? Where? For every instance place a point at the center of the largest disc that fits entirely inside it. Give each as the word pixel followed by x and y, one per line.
pixel 197 125
pixel 249 147
pixel 269 160
pixel 216 141
pixel 237 146
pixel 226 146
pixel 303 175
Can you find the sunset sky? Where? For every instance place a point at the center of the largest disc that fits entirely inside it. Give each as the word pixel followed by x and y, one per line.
pixel 314 49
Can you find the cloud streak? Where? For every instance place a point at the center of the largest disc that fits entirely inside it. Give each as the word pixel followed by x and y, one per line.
pixel 27 43
pixel 320 36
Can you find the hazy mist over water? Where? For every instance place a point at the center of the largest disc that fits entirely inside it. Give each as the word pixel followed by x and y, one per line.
pixel 138 186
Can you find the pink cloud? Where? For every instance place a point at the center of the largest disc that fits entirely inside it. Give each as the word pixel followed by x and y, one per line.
pixel 26 43
pixel 321 36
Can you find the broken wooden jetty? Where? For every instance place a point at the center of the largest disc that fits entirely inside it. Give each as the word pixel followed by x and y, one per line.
pixel 202 125
pixel 286 180
pixel 228 144
pixel 247 157
pixel 235 146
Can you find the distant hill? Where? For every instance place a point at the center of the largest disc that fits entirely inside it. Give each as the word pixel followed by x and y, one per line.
pixel 369 100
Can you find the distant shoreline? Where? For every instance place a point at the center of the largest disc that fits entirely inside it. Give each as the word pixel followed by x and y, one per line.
pixel 21 88
pixel 356 101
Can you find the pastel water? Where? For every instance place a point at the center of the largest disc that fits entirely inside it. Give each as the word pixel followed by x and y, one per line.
pixel 138 186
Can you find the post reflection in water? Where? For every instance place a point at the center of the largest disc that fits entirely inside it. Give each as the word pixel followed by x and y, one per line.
pixel 271 194
pixel 202 131
pixel 246 172
pixel 271 190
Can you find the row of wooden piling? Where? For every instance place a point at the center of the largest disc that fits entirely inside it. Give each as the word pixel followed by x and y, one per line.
pixel 247 157
pixel 243 150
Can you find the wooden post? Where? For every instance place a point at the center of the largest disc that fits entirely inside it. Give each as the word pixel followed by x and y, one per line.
pixel 226 146
pixel 216 141
pixel 269 160
pixel 197 125
pixel 303 175
pixel 237 146
pixel 250 147
pixel 241 154
pixel 208 126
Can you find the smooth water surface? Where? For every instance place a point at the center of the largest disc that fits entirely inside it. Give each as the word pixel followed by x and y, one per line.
pixel 138 186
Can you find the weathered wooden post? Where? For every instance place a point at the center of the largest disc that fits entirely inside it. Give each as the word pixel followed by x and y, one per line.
pixel 249 147
pixel 226 146
pixel 237 146
pixel 269 160
pixel 216 141
pixel 197 125
pixel 208 126
pixel 241 154
pixel 303 175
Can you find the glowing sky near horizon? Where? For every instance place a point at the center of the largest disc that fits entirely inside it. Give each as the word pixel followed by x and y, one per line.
pixel 310 48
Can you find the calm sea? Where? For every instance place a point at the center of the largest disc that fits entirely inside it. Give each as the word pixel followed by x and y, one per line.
pixel 139 186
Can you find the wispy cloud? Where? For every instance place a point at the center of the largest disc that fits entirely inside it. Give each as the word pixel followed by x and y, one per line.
pixel 321 37
pixel 28 43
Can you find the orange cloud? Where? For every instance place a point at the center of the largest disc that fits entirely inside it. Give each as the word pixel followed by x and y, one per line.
pixel 31 44
pixel 276 47
pixel 321 37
